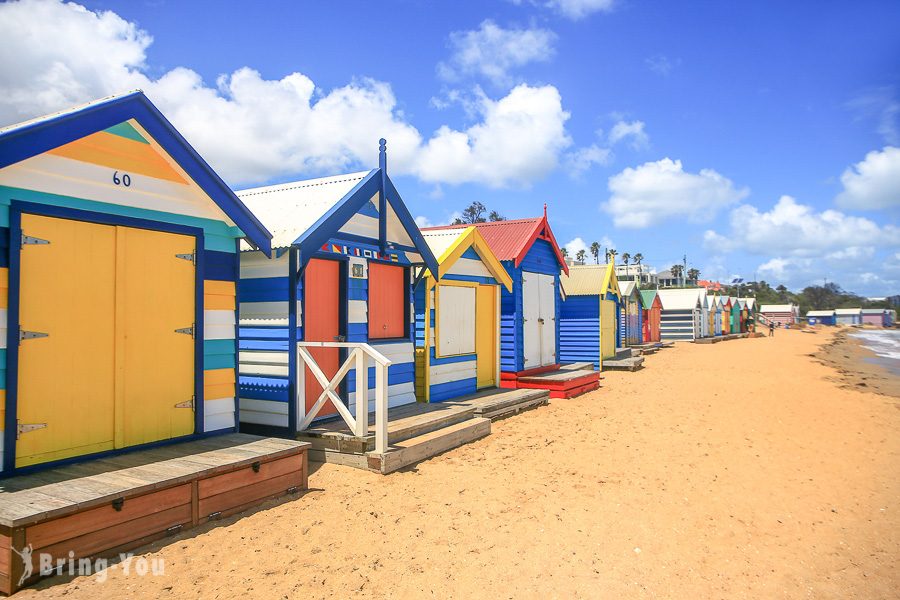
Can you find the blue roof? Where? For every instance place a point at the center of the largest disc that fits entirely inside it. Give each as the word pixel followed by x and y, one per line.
pixel 28 139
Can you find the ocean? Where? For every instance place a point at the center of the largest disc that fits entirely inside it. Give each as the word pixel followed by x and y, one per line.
pixel 886 344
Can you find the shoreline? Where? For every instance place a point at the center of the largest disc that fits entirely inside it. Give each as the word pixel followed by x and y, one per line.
pixel 857 367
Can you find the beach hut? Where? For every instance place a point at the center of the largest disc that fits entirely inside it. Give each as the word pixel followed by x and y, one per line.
pixel 715 315
pixel 704 313
pixel 874 316
pixel 680 317
pixel 458 316
pixel 120 307
pixel 530 313
pixel 821 317
pixel 848 316
pixel 589 316
pixel 780 314
pixel 338 288
pixel 632 310
pixel 651 315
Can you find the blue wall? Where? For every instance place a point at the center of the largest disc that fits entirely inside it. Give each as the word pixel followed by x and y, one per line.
pixel 579 330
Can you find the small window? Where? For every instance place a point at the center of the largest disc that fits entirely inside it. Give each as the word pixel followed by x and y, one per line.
pixel 388 301
pixel 456 320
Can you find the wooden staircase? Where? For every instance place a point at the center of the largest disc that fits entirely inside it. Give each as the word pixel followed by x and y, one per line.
pixel 627 359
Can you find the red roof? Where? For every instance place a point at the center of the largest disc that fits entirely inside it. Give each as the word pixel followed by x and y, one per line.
pixel 511 240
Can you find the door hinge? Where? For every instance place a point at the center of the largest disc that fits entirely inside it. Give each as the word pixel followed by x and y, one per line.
pixel 187 330
pixel 192 257
pixel 187 403
pixel 28 427
pixel 31 335
pixel 28 240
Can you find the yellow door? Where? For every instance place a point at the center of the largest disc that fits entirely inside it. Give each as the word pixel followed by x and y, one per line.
pixel 155 297
pixel 486 335
pixel 607 329
pixel 111 370
pixel 66 394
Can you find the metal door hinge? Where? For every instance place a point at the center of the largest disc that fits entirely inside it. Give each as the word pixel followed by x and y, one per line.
pixel 31 335
pixel 28 240
pixel 187 403
pixel 192 257
pixel 186 330
pixel 28 427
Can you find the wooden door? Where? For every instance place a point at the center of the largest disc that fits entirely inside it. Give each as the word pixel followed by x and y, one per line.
pixel 321 323
pixel 531 314
pixel 67 295
pixel 155 298
pixel 607 329
pixel 486 335
pixel 388 298
pixel 548 319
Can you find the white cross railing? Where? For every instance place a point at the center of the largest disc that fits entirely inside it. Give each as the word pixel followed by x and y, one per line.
pixel 357 359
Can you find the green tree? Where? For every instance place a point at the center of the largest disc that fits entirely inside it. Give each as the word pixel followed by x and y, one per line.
pixel 579 256
pixel 677 271
pixel 595 252
pixel 693 274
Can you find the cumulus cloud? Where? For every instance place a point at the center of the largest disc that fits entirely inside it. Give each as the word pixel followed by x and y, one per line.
pixel 253 129
pixel 655 192
pixel 791 229
pixel 573 9
pixel 581 160
pixel 491 52
pixel 872 183
pixel 631 133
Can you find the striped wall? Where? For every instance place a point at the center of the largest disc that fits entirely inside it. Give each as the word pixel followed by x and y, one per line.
pixel 633 322
pixel 539 259
pixel 679 325
pixel 579 330
pixel 452 376
pixel 263 339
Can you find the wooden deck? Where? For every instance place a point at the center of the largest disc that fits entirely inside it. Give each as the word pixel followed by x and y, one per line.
pixel 418 431
pixel 721 338
pixel 105 506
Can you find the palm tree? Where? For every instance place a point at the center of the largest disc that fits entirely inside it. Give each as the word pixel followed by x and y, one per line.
pixel 564 252
pixel 625 258
pixel 693 274
pixel 612 254
pixel 579 256
pixel 637 258
pixel 677 271
pixel 595 251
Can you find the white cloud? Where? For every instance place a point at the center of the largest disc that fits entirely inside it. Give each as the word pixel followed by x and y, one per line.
pixel 423 221
pixel 631 132
pixel 575 245
pixel 659 191
pixel 253 129
pixel 881 105
pixel 581 160
pixel 872 183
pixel 518 140
pixel 579 9
pixel 578 243
pixel 661 64
pixel 492 52
pixel 791 229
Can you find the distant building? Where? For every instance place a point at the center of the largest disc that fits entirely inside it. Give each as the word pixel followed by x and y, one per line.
pixel 711 286
pixel 781 314
pixel 666 279
pixel 642 274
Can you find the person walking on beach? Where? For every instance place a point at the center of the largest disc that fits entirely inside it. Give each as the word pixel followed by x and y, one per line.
pixel 771 329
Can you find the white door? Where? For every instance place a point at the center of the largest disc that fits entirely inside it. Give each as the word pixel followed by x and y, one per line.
pixel 539 312
pixel 548 320
pixel 531 313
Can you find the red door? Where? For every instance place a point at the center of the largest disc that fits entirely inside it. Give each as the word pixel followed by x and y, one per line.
pixel 387 301
pixel 321 323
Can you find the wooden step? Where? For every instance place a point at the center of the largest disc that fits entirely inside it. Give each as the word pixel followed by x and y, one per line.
pixel 429 444
pixel 577 366
pixel 625 364
pixel 509 403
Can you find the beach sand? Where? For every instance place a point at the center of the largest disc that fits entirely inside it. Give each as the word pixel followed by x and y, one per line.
pixel 857 366
pixel 744 469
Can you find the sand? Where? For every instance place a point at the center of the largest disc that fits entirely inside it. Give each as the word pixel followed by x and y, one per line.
pixel 857 366
pixel 733 470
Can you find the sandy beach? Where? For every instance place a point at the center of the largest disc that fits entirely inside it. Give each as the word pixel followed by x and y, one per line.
pixel 746 469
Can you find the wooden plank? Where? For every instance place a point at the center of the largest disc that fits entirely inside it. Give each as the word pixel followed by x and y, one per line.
pixel 246 476
pixel 433 443
pixel 57 530
pixel 4 553
pixel 250 493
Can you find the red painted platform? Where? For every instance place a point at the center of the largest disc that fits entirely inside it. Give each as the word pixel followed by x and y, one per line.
pixel 560 382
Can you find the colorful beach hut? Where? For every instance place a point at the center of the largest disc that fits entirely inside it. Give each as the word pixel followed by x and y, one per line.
pixel 530 313
pixel 632 313
pixel 704 313
pixel 848 316
pixel 651 316
pixel 590 314
pixel 780 314
pixel 821 317
pixel 340 282
pixel 458 316
pixel 874 316
pixel 680 318
pixel 121 260
pixel 715 315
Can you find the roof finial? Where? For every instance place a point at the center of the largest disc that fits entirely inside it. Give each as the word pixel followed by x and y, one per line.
pixel 382 154
pixel 545 210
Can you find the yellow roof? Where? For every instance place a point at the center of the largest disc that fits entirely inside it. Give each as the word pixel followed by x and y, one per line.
pixel 590 280
pixel 450 244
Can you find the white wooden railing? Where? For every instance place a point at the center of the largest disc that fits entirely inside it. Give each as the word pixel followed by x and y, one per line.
pixel 357 359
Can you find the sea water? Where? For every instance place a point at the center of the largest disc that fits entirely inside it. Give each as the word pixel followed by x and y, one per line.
pixel 886 344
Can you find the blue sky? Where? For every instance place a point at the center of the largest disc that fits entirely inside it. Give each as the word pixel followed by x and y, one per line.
pixel 758 138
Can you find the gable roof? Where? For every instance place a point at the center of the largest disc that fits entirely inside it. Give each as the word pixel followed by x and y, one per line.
pixel 776 308
pixel 820 313
pixel 511 240
pixel 590 280
pixel 450 244
pixel 28 139
pixel 649 297
pixel 307 213
pixel 681 299
pixel 848 311
pixel 750 302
